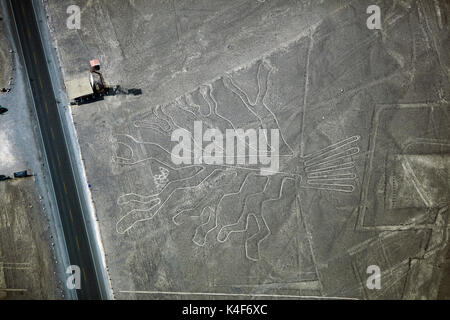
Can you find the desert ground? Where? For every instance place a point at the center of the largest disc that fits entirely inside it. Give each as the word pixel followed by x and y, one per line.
pixel 363 117
pixel 5 58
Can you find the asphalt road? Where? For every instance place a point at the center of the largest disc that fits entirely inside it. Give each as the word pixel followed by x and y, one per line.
pixel 56 149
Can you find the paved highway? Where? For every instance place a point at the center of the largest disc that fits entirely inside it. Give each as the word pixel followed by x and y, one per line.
pixel 56 149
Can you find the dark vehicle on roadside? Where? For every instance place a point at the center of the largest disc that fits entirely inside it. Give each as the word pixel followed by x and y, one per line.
pixel 22 174
pixel 4 178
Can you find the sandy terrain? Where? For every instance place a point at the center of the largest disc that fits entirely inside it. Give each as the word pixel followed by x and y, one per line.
pixel 5 58
pixel 26 266
pixel 365 146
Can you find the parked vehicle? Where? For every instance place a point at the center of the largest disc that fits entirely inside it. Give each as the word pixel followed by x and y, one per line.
pixel 3 110
pixel 4 178
pixel 22 174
